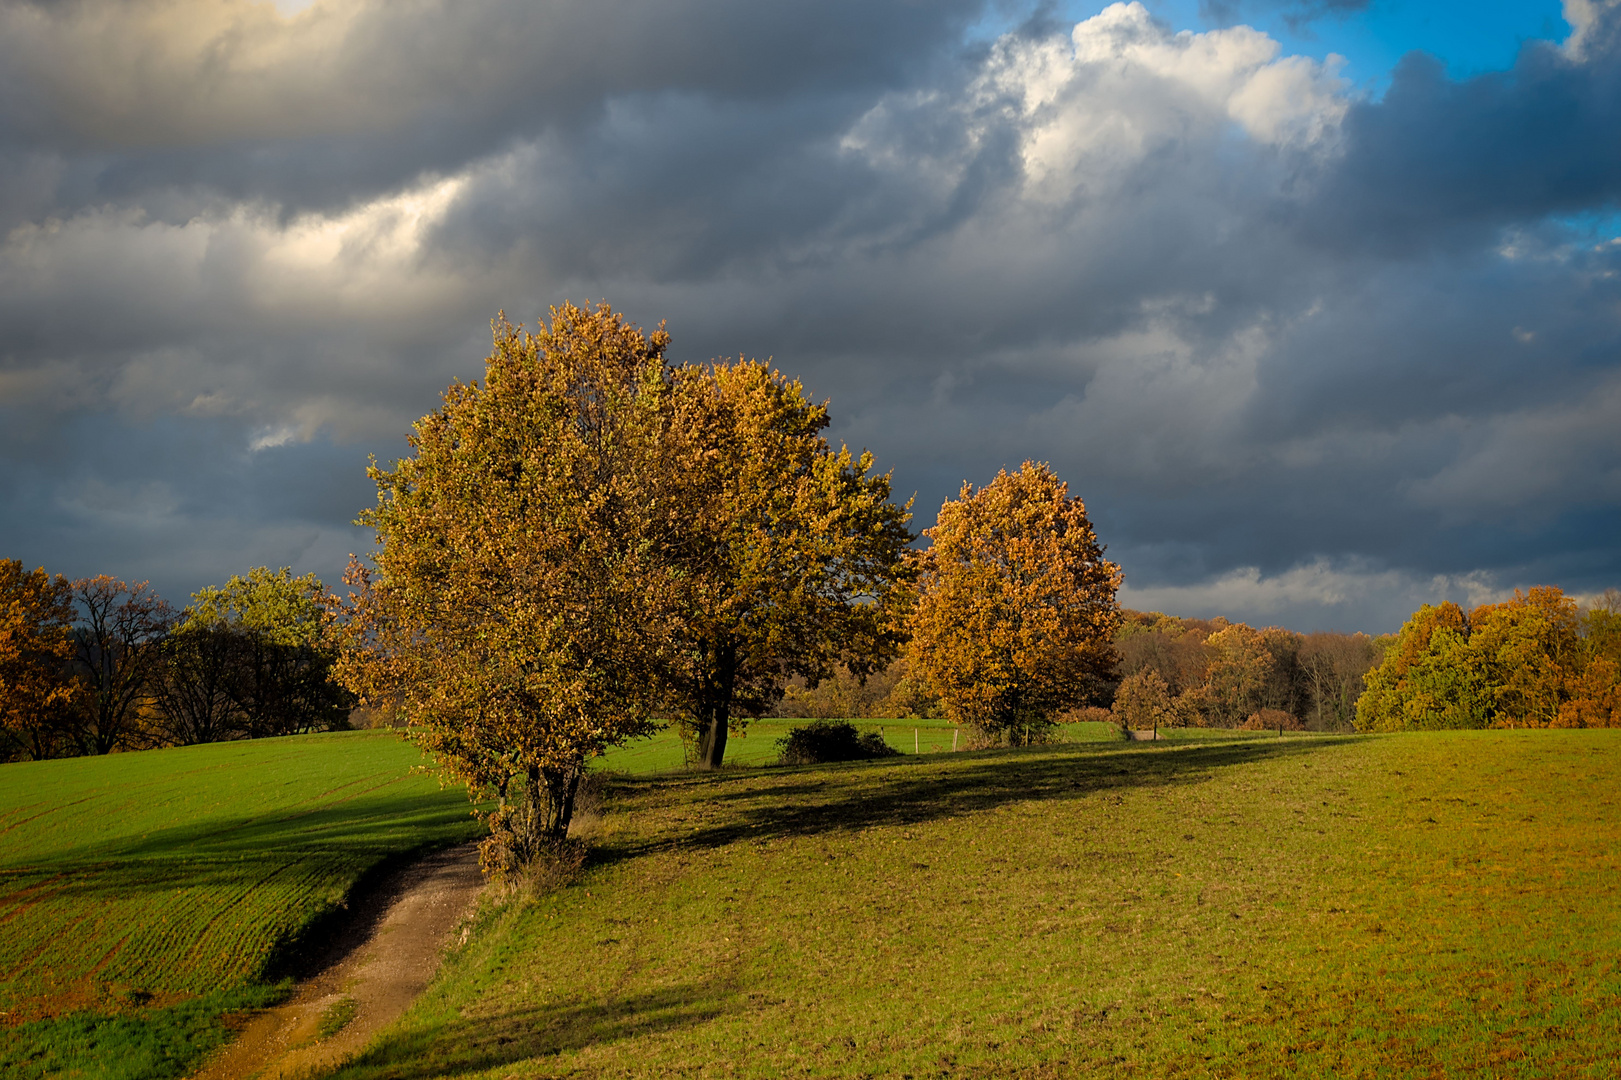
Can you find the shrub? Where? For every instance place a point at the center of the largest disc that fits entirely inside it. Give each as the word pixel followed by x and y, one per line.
pixel 819 742
pixel 1272 720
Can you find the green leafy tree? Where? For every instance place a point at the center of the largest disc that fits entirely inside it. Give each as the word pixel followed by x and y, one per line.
pixel 1016 614
pixel 789 556
pixel 281 682
pixel 1426 679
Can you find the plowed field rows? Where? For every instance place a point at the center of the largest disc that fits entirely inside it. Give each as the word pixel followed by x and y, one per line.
pixel 135 882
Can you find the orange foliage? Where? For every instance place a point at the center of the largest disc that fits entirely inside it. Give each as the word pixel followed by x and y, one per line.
pixel 1016 611
pixel 792 559
pixel 1272 720
pixel 517 615
pixel 36 616
pixel 1594 697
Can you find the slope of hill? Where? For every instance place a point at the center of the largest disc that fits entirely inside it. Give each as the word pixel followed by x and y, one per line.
pixel 1439 904
pixel 143 896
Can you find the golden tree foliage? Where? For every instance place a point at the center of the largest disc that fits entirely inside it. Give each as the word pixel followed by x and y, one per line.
pixel 1526 649
pixel 1143 701
pixel 1241 669
pixel 1016 615
pixel 1531 661
pixel 36 617
pixel 518 612
pixel 790 557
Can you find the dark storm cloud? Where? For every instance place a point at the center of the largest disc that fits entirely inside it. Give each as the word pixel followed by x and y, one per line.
pixel 1182 268
pixel 1446 161
pixel 344 100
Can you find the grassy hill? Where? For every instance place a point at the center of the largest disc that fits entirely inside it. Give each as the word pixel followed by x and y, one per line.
pixel 1441 904
pixel 144 895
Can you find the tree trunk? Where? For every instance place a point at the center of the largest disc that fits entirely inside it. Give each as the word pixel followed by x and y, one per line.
pixel 712 741
pixel 714 722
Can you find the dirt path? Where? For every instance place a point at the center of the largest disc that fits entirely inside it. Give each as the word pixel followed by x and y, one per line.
pixel 380 961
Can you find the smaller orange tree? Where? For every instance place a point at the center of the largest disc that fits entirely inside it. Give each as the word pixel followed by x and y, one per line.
pixel 1143 701
pixel 1016 614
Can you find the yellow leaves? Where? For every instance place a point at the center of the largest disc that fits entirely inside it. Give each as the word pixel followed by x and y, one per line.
pixel 36 614
pixel 515 614
pixel 589 532
pixel 1016 610
pixel 1520 663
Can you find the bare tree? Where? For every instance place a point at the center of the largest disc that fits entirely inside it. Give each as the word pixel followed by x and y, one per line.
pixel 117 641
pixel 194 690
pixel 1333 666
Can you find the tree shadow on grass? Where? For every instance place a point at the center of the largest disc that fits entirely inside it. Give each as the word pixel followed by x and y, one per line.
pixel 812 800
pixel 464 1046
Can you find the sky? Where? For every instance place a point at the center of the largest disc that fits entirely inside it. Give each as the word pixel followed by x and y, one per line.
pixel 1315 303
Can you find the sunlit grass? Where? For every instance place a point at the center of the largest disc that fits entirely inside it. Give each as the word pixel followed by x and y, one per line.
pixel 1413 905
pixel 143 895
pixel 758 742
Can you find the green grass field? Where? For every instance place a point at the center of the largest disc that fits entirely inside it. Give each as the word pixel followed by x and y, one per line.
pixel 1442 905
pixel 143 896
pixel 758 744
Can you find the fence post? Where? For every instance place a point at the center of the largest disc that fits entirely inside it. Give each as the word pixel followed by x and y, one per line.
pixel 915 749
pixel 953 740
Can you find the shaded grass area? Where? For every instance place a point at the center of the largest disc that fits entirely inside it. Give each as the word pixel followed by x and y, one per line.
pixel 144 896
pixel 1437 904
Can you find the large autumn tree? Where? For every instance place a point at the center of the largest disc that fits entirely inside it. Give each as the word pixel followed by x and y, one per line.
pixel 789 556
pixel 36 616
pixel 516 612
pixel 1016 613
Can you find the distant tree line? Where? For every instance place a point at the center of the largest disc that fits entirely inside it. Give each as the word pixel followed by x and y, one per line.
pixel 1215 673
pixel 1536 660
pixel 1168 671
pixel 98 665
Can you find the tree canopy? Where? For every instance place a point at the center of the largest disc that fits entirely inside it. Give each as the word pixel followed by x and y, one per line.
pixel 1016 613
pixel 516 612
pixel 789 556
pixel 118 660
pixel 36 614
pixel 272 631
pixel 1531 661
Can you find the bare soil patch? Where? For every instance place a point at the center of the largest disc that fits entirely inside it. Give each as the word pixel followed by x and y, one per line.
pixel 373 966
